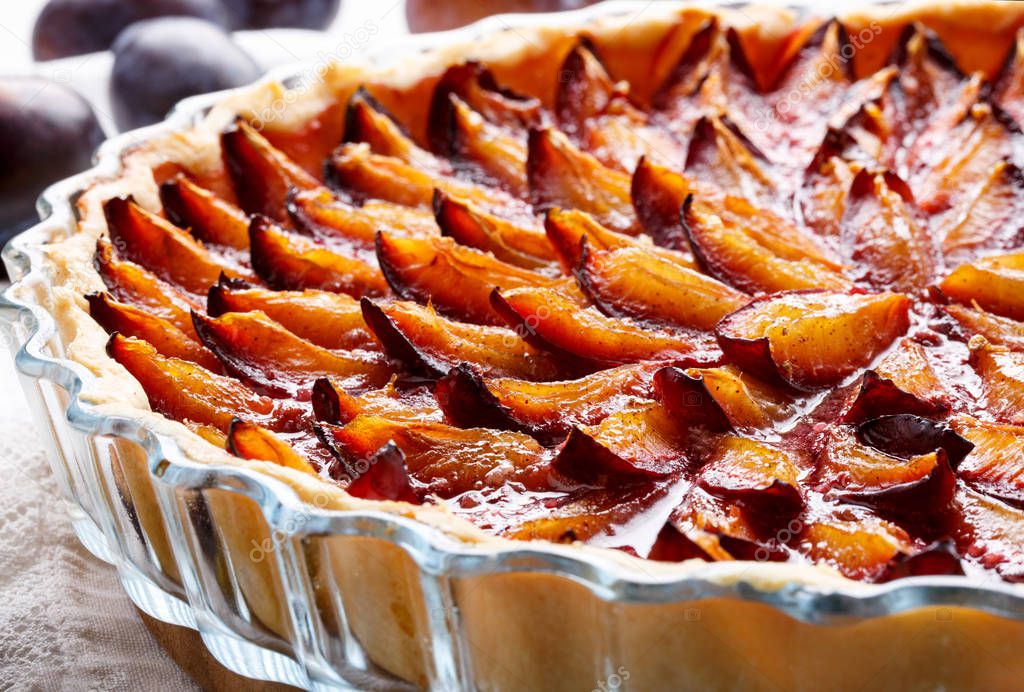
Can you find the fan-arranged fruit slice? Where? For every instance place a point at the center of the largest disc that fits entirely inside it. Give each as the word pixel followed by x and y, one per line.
pixel 990 533
pixel 430 345
pixel 164 336
pixel 904 381
pixel 164 249
pixel 757 476
pixel 366 120
pixel 332 404
pixel 264 354
pixel 560 175
pixel 813 339
pixel 997 330
pixel 183 391
pixel 445 459
pixel 631 282
pixel 994 283
pixel 456 279
pixel 988 217
pixel 545 410
pixel 993 466
pixel 130 283
pixel 251 441
pixel 206 216
pixel 485 152
pixel 1002 380
pixel 584 90
pixel 293 263
pixel 262 175
pixel 640 441
pixel 860 546
pixel 554 323
pixel 512 243
pixel 763 256
pixel 723 530
pixel 823 195
pixel 722 156
pixel 886 238
pixel 722 398
pixel 322 215
pixel 385 478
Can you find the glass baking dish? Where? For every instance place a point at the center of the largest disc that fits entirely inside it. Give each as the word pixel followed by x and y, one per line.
pixel 291 592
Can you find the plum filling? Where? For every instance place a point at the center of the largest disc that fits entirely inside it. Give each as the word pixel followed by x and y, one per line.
pixel 715 328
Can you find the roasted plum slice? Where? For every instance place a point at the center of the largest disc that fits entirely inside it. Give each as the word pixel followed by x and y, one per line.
pixel 130 283
pixel 293 263
pixel 988 217
pixel 584 90
pixel 762 478
pixel 724 530
pixel 446 460
pixel 251 441
pixel 262 174
pixel 658 194
pixel 994 283
pixel 485 152
pixel 166 250
pixel 722 156
pixel 416 404
pixel 545 410
pixel 993 465
pixel 1008 85
pixel 512 243
pixel 813 339
pixel 560 175
pixel 1002 380
pixel 321 215
pixel 905 435
pixel 584 336
pixel 904 381
pixel 566 229
pixel 823 195
pixel 759 256
pixel 329 320
pixel 206 216
pixel 366 120
pixel 385 478
pixel 164 336
pixel 989 533
pixel 858 545
pixel 885 235
pixel 430 345
pixel 722 398
pixel 268 357
pixel 640 441
pixel 631 282
pixel 456 279
pixel 1001 331
pixel 185 391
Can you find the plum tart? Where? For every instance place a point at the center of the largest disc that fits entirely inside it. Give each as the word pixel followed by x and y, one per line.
pixel 759 298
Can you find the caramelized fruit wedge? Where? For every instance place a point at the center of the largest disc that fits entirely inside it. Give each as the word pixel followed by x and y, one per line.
pixel 903 382
pixel 166 250
pixel 813 339
pixel 566 229
pixel 262 175
pixel 987 219
pixel 723 530
pixel 1002 380
pixel 583 92
pixel 267 356
pixel 322 215
pixel 132 284
pixel 641 441
pixel 330 320
pixel 546 410
pixel 827 179
pixel 206 216
pixel 430 345
pixel 385 478
pixel 722 156
pixel 990 533
pixel 997 330
pixel 166 338
pixel 631 282
pixel 560 175
pixel 706 51
pixel 446 460
pixel 722 398
pixel 332 404
pixel 861 547
pixel 993 465
pixel 485 152
pixel 250 441
pixel 475 85
pixel 755 257
pixel 658 194
pixel 554 323
pixel 366 120
pixel 293 263
pixel 185 391
pixel 994 283
pixel 1008 85
pixel 757 476
pixel 469 225
pixel 457 280
pixel 885 235
pixel 358 172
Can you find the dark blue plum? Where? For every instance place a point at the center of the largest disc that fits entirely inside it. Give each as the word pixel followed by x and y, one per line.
pixel 265 14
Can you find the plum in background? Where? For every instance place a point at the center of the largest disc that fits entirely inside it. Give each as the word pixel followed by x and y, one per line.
pixel 265 14
pixel 158 62
pixel 437 15
pixel 73 27
pixel 47 132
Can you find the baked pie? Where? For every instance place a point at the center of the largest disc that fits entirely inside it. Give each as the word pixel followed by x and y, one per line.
pixel 702 288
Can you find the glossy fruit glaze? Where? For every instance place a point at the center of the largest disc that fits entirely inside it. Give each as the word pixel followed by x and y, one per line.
pixel 744 324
